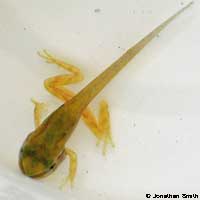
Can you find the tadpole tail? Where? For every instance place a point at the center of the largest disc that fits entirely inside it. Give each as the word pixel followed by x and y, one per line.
pixel 83 98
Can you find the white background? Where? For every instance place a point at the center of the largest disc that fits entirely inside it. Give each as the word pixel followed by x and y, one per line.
pixel 154 102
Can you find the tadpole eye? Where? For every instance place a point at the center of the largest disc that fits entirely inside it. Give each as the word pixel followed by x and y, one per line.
pixel 52 166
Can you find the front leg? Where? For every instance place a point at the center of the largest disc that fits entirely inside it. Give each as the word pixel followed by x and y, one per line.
pixel 39 107
pixel 72 167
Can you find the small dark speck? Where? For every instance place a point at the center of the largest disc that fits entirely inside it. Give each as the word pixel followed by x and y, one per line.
pixel 182 3
pixel 180 118
pixel 97 10
pixel 133 11
pixel 158 35
pixel 176 141
pixel 158 131
pixel 86 171
pixel 120 48
pixel 134 124
pixel 24 28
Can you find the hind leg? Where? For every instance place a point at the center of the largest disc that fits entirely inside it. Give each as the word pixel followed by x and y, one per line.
pixel 99 126
pixel 56 85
